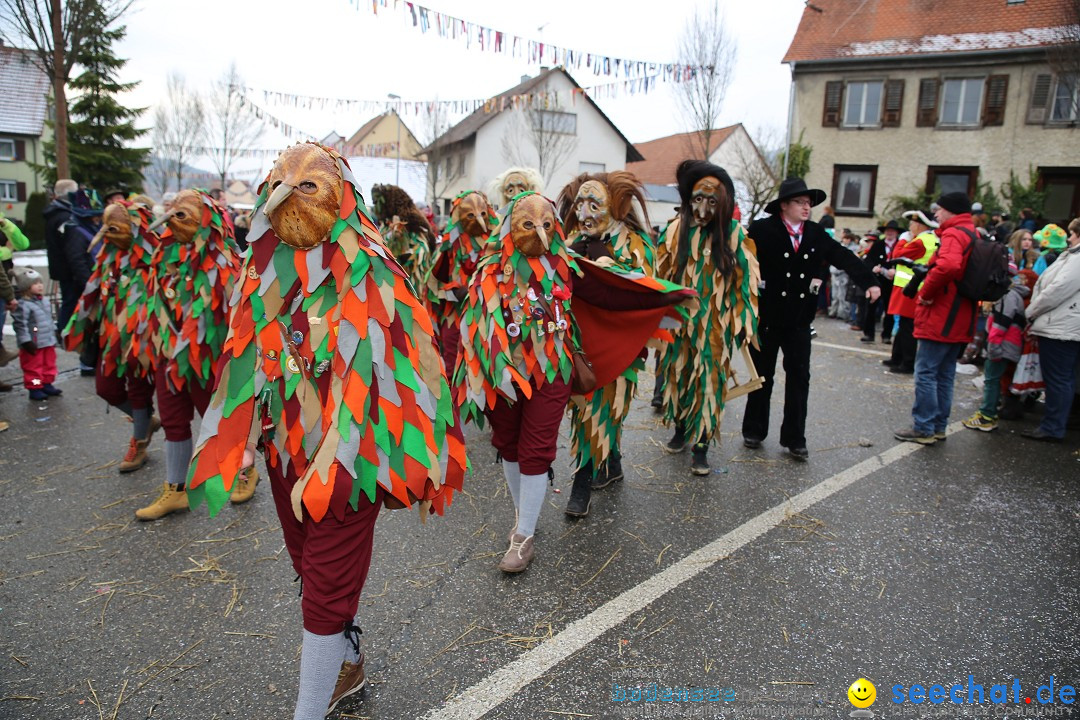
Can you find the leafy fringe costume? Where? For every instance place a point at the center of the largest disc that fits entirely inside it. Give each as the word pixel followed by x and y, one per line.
pixel 461 252
pixel 115 302
pixel 189 299
pixel 411 252
pixel 696 365
pixel 507 339
pixel 596 420
pixel 331 357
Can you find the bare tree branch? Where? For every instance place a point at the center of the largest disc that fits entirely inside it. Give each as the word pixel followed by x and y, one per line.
pixel 756 175
pixel 179 127
pixel 705 44
pixel 1065 57
pixel 232 127
pixel 433 124
pixel 543 139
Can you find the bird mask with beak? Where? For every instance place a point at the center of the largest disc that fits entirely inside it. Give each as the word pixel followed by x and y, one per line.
pixel 185 217
pixel 532 225
pixel 116 226
pixel 473 215
pixel 306 189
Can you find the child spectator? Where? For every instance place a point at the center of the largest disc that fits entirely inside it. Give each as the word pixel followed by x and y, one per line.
pixel 35 332
pixel 1004 342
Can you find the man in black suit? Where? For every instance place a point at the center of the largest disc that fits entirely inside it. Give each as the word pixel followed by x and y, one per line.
pixel 791 251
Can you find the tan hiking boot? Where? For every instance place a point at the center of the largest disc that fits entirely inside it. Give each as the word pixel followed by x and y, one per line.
pixel 4 425
pixel 135 457
pixel 244 487
pixel 350 680
pixel 519 555
pixel 169 501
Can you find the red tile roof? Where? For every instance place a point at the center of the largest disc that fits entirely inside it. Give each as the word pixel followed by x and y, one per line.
pixel 663 155
pixel 24 91
pixel 850 29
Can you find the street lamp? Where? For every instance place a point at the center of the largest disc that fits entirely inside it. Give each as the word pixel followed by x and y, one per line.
pixel 397 164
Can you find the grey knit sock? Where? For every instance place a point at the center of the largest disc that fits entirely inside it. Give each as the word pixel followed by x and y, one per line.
pixel 177 457
pixel 533 492
pixel 141 418
pixel 320 662
pixel 352 635
pixel 512 471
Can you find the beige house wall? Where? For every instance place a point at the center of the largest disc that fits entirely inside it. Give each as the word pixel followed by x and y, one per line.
pixel 21 171
pixel 903 154
pixel 385 131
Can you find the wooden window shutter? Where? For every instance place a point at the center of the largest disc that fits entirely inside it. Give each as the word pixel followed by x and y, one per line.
pixel 834 95
pixel 928 100
pixel 1040 99
pixel 997 89
pixel 894 103
pixel 20 150
pixel 20 192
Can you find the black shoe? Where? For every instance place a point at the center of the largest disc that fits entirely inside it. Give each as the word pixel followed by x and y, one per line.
pixel 699 464
pixel 581 493
pixel 901 370
pixel 52 391
pixel 887 340
pixel 866 339
pixel 799 453
pixel 613 472
pixel 677 443
pixel 890 362
pixel 752 443
pixel 4 387
pixel 1041 435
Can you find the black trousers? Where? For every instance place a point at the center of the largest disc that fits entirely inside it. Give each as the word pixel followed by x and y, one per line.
pixel 795 344
pixel 903 345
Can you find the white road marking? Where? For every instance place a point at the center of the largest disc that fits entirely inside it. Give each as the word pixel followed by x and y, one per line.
pixel 505 682
pixel 865 351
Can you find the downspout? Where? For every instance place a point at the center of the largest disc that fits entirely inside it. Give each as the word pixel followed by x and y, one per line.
pixel 790 119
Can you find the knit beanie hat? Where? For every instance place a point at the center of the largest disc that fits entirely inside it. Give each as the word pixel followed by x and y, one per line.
pixel 1051 237
pixel 955 202
pixel 25 277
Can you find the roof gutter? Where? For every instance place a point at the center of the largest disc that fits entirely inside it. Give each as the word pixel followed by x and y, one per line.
pixel 1036 53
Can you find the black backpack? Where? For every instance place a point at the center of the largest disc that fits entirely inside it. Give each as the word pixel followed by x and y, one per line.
pixel 986 272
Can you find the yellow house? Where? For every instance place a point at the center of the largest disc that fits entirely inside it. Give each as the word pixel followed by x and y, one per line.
pixel 895 96
pixel 24 104
pixel 380 136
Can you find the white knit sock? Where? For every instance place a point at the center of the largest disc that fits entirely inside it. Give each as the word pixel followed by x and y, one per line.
pixel 512 471
pixel 533 492
pixel 320 662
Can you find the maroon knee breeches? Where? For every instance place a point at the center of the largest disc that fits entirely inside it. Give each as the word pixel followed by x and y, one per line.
pixel 136 391
pixel 177 409
pixel 527 432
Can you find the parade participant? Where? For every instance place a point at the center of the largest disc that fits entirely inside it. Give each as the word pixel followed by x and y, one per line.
pixel 113 313
pixel 331 364
pixel 195 267
pixel 460 248
pixel 512 182
pixel 599 216
pixel 918 247
pixel 517 340
pixel 790 248
pixel 405 231
pixel 706 249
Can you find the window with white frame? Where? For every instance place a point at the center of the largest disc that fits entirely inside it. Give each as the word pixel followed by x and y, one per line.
pixel 7 149
pixel 592 168
pixel 1066 99
pixel 556 122
pixel 862 104
pixel 9 191
pixel 961 101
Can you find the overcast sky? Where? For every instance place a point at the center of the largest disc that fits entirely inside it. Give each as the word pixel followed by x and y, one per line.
pixel 335 48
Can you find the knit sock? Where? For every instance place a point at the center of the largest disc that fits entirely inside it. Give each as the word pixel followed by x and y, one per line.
pixel 141 418
pixel 177 457
pixel 512 471
pixel 533 492
pixel 352 642
pixel 320 662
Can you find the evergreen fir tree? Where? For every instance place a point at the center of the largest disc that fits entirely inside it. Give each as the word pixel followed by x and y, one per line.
pixel 100 127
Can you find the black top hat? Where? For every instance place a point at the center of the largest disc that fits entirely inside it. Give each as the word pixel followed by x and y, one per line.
pixel 891 225
pixel 794 187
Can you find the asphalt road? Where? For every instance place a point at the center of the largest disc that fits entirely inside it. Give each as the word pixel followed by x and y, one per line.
pixel 769 586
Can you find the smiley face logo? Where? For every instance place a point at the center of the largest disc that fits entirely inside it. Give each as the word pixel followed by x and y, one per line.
pixel 862 693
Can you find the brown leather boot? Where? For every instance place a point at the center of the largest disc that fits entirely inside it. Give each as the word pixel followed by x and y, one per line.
pixel 244 488
pixel 135 457
pixel 350 680
pixel 519 555
pixel 169 501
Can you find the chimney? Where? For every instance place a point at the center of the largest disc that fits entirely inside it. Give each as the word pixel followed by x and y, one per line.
pixel 524 78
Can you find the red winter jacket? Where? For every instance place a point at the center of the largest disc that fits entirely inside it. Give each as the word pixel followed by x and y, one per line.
pixel 949 318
